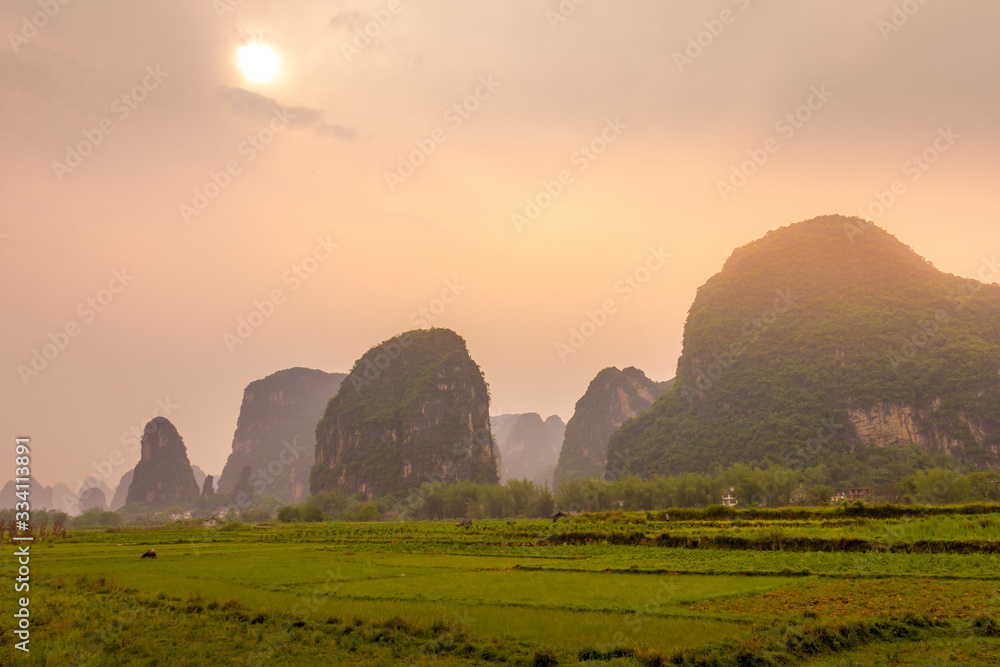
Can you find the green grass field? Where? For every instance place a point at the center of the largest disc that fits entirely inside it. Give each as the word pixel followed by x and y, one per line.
pixel 599 590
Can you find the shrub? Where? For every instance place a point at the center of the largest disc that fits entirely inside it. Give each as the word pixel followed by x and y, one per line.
pixel 544 658
pixel 311 513
pixel 985 626
pixel 289 514
pixel 255 515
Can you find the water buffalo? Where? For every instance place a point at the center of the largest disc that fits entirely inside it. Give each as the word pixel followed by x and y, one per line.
pixel 149 554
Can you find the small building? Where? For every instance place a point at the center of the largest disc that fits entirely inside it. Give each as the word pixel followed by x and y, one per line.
pixel 175 517
pixel 188 514
pixel 729 499
pixel 852 495
pixel 209 523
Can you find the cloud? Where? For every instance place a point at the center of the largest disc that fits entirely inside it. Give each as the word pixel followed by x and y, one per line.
pixel 249 104
pixel 347 20
pixel 337 131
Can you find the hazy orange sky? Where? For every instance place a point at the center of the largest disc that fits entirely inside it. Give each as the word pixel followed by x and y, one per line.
pixel 619 120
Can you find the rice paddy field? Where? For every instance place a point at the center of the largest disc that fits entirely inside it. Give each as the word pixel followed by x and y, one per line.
pixel 823 588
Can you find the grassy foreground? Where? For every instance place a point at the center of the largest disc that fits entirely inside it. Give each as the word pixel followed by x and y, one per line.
pixel 605 589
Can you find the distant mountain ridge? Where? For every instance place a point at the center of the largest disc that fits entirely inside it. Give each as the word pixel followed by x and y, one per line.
pixel 121 491
pixel 163 475
pixel 412 410
pixel 612 397
pixel 829 342
pixel 529 447
pixel 276 432
pixel 58 497
pixel 41 496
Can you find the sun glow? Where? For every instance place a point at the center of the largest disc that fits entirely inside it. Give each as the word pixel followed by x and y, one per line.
pixel 258 62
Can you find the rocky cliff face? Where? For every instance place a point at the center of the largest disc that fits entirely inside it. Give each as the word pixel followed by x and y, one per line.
pixel 121 491
pixel 199 475
pixel 163 474
pixel 888 425
pixel 208 488
pixel 500 425
pixel 276 432
pixel 612 397
pixel 414 409
pixel 529 447
pixel 830 343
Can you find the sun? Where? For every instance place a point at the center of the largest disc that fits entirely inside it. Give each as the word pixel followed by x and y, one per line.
pixel 258 62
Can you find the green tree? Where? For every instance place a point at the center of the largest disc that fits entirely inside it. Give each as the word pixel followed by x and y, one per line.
pixel 521 495
pixel 311 513
pixel 368 513
pixel 819 494
pixel 255 515
pixel 289 514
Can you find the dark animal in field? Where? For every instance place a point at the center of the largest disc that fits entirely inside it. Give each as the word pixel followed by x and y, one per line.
pixel 149 554
pixel 559 515
pixel 467 522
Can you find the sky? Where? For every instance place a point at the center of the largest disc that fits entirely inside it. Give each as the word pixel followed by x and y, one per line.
pixel 552 180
